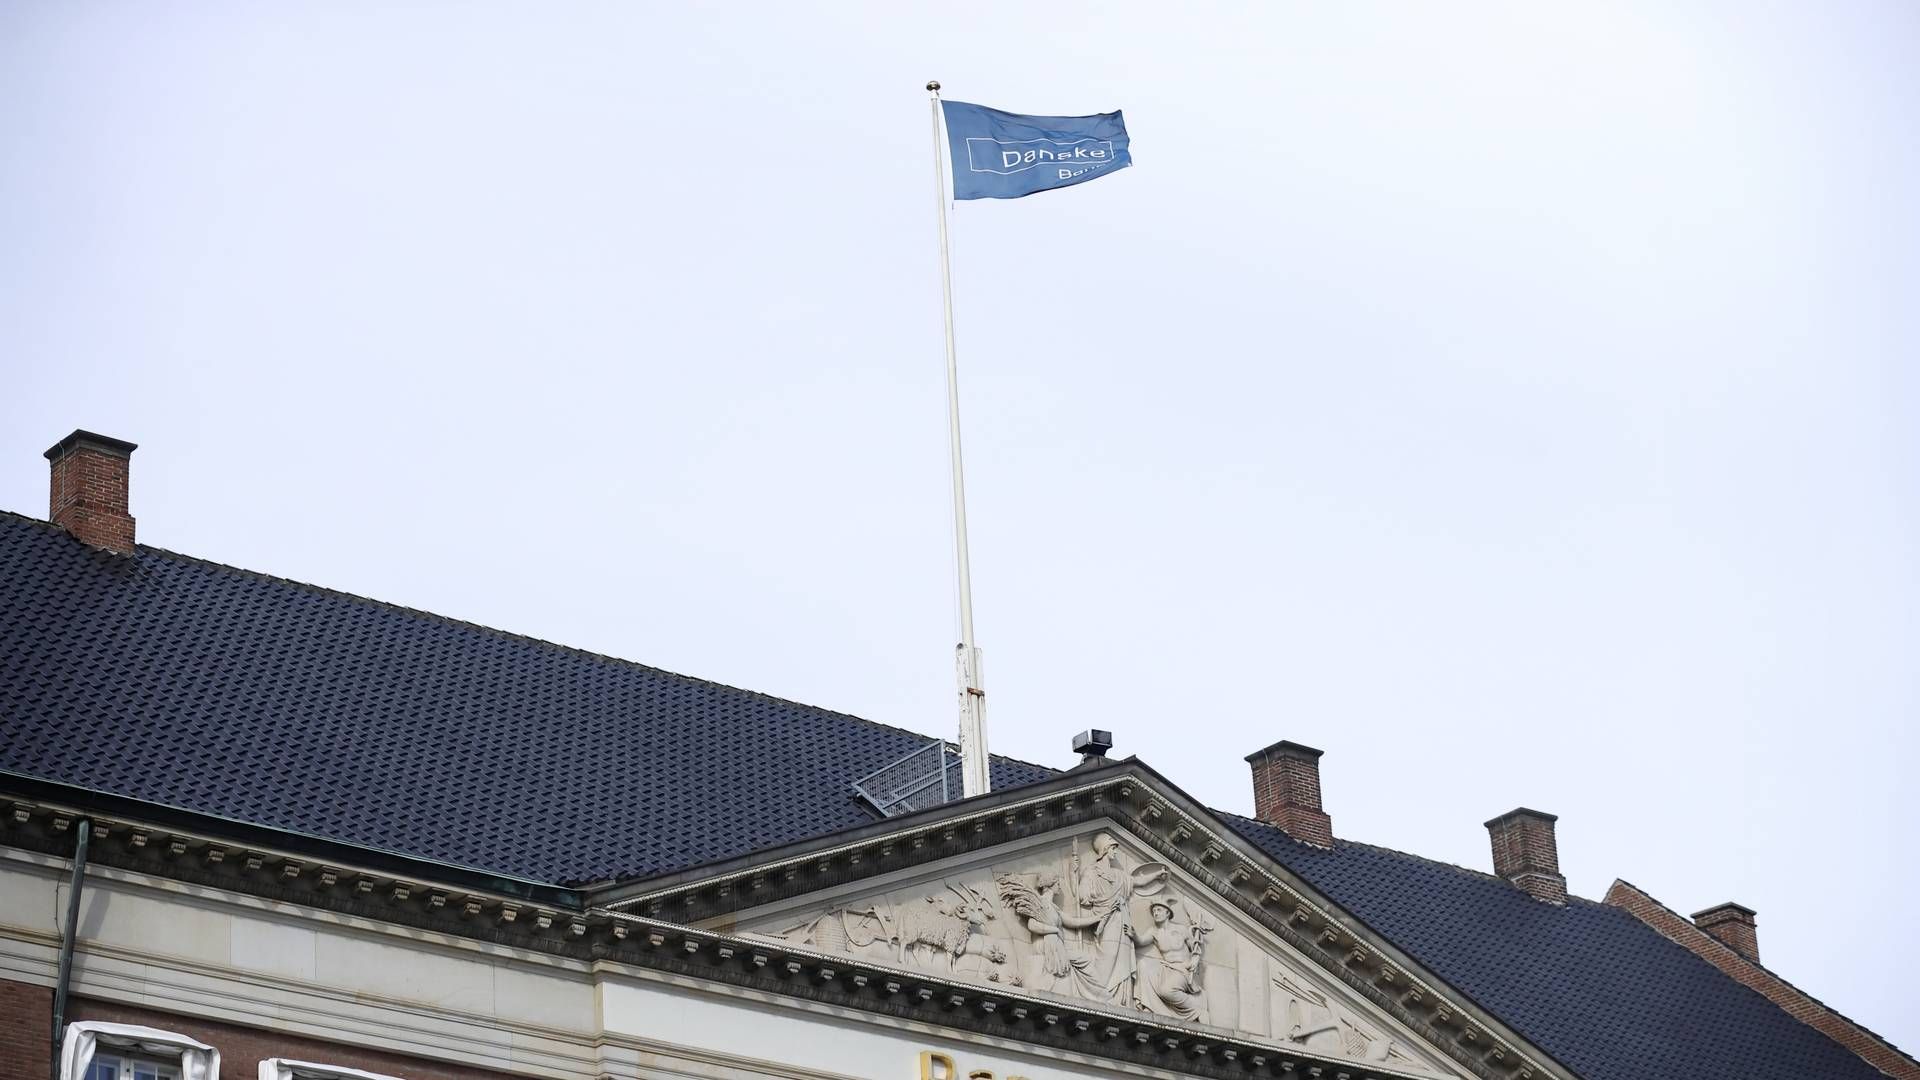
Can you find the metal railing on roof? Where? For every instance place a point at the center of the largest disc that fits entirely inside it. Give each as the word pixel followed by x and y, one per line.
pixel 926 778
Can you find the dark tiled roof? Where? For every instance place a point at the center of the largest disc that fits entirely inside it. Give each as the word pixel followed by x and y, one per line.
pixel 196 685
pixel 177 681
pixel 1589 984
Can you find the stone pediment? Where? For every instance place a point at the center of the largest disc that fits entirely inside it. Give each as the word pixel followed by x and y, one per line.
pixel 1090 916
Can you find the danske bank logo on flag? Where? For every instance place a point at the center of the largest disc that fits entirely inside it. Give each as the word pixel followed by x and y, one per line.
pixel 1003 155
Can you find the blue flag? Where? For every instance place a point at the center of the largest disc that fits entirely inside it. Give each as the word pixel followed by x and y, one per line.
pixel 1003 155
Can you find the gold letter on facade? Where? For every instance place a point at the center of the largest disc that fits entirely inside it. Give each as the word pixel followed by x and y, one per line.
pixel 936 1066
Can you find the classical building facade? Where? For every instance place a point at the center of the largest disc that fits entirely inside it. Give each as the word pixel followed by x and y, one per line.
pixel 254 828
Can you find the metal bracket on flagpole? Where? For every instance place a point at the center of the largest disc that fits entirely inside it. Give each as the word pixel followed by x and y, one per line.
pixel 975 775
pixel 974 761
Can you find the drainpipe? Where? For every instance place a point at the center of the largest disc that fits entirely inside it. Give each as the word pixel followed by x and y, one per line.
pixel 67 939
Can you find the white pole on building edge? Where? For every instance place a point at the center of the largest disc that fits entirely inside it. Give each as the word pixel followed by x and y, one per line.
pixel 975 777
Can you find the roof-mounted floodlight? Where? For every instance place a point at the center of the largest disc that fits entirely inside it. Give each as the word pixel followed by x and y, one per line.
pixel 1093 744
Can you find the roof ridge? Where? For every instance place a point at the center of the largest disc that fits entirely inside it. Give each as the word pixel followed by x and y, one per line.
pixel 1752 962
pixel 483 628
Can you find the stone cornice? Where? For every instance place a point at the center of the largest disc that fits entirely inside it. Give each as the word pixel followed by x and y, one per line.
pixel 446 904
pixel 648 924
pixel 216 837
pixel 1131 1037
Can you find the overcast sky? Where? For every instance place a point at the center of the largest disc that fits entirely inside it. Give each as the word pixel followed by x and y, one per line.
pixel 1517 402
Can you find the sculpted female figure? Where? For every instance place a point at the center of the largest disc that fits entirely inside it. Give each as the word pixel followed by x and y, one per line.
pixel 1169 980
pixel 1083 947
pixel 1062 966
pixel 1105 888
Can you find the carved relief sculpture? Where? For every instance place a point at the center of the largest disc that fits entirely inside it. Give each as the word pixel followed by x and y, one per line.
pixel 939 932
pixel 1084 933
pixel 1060 964
pixel 1319 1023
pixel 1085 921
pixel 1168 980
pixel 1104 887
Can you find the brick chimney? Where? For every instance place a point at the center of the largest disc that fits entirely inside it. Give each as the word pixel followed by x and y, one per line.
pixel 1286 792
pixel 1524 852
pixel 88 494
pixel 1733 925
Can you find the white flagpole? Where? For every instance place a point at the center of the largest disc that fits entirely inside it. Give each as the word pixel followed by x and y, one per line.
pixel 975 776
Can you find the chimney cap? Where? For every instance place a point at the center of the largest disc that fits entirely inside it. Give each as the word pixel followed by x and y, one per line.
pixel 1286 748
pixel 103 442
pixel 1520 812
pixel 1722 909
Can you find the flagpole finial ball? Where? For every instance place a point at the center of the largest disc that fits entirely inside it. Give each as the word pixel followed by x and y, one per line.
pixel 933 86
